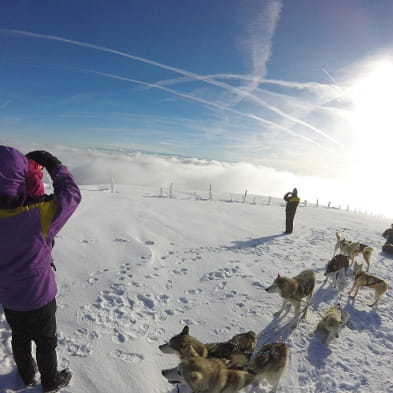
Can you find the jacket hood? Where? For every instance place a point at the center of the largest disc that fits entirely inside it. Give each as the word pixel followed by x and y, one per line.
pixel 34 184
pixel 13 171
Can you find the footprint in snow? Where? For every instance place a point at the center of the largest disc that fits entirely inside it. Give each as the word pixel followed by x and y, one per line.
pixel 127 357
pixel 75 346
pixel 149 303
pixel 220 286
pixel 155 335
pixel 86 241
pixel 163 299
pixel 120 240
pixel 180 271
pixel 194 291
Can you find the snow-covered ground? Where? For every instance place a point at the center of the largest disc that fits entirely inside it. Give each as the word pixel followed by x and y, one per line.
pixel 133 268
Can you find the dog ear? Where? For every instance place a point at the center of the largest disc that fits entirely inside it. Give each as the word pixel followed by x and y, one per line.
pixel 195 376
pixel 278 275
pixel 193 351
pixel 186 330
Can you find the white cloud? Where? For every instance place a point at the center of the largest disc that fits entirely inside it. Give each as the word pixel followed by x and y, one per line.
pixel 92 166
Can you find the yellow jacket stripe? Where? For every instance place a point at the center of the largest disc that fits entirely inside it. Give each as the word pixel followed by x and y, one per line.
pixel 47 212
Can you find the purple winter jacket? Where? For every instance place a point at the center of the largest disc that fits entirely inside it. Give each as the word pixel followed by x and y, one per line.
pixel 27 230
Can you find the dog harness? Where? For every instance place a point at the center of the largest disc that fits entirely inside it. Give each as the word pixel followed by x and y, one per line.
pixel 370 280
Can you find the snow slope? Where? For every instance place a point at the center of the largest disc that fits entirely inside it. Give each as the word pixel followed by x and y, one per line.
pixel 133 268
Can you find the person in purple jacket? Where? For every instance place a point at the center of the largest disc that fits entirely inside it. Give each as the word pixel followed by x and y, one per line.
pixel 27 282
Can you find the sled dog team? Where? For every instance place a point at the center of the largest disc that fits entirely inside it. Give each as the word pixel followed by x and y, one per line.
pixel 228 367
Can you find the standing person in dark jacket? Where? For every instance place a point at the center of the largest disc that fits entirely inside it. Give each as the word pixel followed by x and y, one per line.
pixel 27 282
pixel 292 201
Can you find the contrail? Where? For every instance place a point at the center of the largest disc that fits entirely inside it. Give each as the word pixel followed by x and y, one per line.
pixel 265 18
pixel 170 68
pixel 329 76
pixel 206 102
pixel 312 86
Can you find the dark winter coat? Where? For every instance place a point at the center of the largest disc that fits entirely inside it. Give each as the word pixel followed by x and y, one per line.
pixel 292 201
pixel 387 232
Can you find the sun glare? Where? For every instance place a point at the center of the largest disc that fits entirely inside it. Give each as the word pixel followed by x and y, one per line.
pixel 372 106
pixel 372 97
pixel 372 121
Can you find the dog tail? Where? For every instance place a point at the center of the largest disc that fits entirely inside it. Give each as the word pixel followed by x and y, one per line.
pixel 367 253
pixel 337 236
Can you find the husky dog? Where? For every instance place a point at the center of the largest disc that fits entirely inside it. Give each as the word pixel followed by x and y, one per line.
pixel 184 345
pixel 208 375
pixel 347 248
pixel 338 262
pixel 334 319
pixel 293 290
pixel 269 362
pixel 338 244
pixel 366 253
pixel 352 249
pixel 364 279
pixel 235 353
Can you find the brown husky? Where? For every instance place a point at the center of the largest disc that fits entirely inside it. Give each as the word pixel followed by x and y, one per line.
pixel 364 279
pixel 184 345
pixel 293 290
pixel 352 249
pixel 334 319
pixel 208 375
pixel 235 352
pixel 366 252
pixel 269 362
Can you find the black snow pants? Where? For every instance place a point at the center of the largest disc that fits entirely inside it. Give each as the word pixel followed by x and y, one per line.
pixel 38 326
pixel 290 215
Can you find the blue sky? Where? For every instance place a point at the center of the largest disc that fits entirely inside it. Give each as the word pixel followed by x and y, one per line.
pixel 300 86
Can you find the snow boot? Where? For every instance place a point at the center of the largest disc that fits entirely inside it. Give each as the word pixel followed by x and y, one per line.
pixel 61 380
pixel 30 380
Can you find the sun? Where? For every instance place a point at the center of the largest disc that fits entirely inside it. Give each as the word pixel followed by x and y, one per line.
pixel 372 114
pixel 370 149
pixel 372 98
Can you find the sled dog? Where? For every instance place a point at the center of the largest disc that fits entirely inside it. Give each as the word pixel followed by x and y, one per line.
pixel 269 363
pixel 208 375
pixel 335 265
pixel 293 290
pixel 364 279
pixel 334 319
pixel 365 251
pixel 352 249
pixel 235 352
pixel 338 244
pixel 346 247
pixel 183 345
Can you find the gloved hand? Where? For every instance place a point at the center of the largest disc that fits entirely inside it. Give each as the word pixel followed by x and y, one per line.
pixel 44 158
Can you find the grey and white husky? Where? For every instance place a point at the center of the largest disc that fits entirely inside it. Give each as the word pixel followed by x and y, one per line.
pixel 293 290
